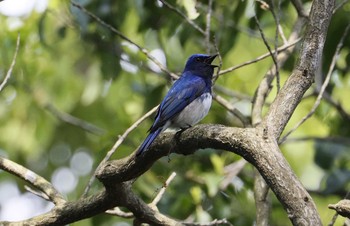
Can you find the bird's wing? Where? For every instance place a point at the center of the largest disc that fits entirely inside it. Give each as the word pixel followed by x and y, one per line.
pixel 182 93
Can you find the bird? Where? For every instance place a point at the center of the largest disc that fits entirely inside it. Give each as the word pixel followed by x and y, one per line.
pixel 188 100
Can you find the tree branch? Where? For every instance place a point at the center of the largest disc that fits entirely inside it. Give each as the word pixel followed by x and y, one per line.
pixel 32 178
pixel 9 72
pixel 188 20
pixel 304 73
pixel 117 144
pixel 323 88
pixel 342 207
pixel 262 203
pixel 248 142
pixel 122 36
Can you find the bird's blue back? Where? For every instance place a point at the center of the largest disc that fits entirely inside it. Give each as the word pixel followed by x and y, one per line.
pixel 194 84
pixel 186 89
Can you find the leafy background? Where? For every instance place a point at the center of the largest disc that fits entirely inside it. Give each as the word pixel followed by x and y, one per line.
pixel 70 64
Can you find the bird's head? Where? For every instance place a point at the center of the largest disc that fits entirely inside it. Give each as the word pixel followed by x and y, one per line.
pixel 200 64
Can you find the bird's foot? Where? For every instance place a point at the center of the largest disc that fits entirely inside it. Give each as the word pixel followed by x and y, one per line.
pixel 178 133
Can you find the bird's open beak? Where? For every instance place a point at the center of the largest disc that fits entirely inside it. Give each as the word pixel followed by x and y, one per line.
pixel 210 59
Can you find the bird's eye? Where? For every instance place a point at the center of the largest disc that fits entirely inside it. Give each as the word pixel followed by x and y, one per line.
pixel 198 59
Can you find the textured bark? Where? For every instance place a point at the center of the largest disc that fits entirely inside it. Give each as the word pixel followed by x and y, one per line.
pixel 258 145
pixel 250 143
pixel 304 73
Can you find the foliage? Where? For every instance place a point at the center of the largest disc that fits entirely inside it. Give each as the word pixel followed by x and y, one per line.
pixel 70 63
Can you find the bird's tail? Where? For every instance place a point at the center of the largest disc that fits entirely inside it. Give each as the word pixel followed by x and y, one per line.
pixel 148 141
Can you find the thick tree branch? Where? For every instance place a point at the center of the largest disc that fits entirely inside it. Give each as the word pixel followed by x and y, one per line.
pixel 257 145
pixel 248 142
pixel 304 73
pixel 323 87
pixel 262 203
pixel 265 85
pixel 264 154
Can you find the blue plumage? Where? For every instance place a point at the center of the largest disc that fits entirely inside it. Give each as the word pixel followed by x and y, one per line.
pixel 187 101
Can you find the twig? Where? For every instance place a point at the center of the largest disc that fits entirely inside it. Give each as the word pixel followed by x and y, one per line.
pixel 33 179
pixel 37 193
pixel 262 201
pixel 338 140
pixel 121 35
pixel 207 28
pixel 340 5
pixel 298 5
pixel 116 145
pixel 116 211
pixel 280 49
pixel 74 120
pixel 334 218
pixel 335 104
pixel 214 222
pixel 272 54
pixel 261 189
pixel 188 20
pixel 278 29
pixel 231 171
pixel 216 76
pixel 162 190
pixel 323 88
pixel 264 87
pixel 232 93
pixel 9 72
pixel 232 109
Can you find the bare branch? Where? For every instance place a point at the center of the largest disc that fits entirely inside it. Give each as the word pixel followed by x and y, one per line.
pixel 232 93
pixel 115 195
pixel 264 88
pixel 37 193
pixel 342 207
pixel 121 35
pixel 247 142
pixel 278 30
pixel 338 140
pixel 188 20
pixel 261 198
pixel 298 5
pixel 116 211
pixel 262 202
pixel 280 49
pixel 303 75
pixel 323 88
pixel 231 171
pixel 207 28
pixel 216 76
pixel 341 110
pixel 272 54
pixel 117 144
pixel 162 190
pixel 340 5
pixel 9 72
pixel 214 222
pixel 33 179
pixel 232 109
pixel 67 118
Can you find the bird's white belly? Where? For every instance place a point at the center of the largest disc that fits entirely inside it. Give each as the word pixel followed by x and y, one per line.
pixel 194 112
